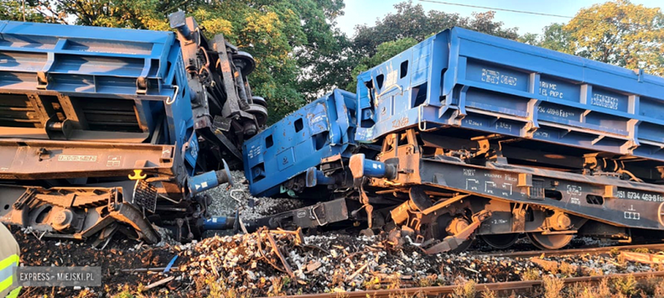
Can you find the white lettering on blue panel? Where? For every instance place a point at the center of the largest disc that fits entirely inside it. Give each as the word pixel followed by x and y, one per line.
pixel 605 101
pixel 494 77
pixel 550 90
pixel 556 112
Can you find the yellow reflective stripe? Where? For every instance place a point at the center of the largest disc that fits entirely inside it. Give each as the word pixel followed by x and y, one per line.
pixel 7 265
pixel 6 283
pixel 7 272
pixel 8 261
pixel 14 293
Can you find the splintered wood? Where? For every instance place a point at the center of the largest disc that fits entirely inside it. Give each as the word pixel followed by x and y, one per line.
pixel 644 258
pixel 276 250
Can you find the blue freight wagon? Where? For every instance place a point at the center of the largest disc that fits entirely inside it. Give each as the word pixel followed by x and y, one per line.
pixel 300 150
pixel 498 138
pixel 104 128
pixel 464 79
pixel 467 135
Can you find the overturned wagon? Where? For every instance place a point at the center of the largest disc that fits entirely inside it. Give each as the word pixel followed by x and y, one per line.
pixel 106 130
pixel 468 135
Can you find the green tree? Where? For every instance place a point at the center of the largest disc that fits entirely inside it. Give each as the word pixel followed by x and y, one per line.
pixel 620 33
pixel 407 21
pixel 21 11
pixel 322 58
pixel 139 14
pixel 484 22
pixel 412 21
pixel 555 37
pixel 286 37
pixel 409 25
pixel 530 38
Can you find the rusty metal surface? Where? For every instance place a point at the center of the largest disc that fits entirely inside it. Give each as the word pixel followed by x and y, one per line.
pixel 456 239
pixel 75 213
pixel 625 203
pixel 645 258
pixel 317 215
pixel 574 251
pixel 29 159
pixel 502 286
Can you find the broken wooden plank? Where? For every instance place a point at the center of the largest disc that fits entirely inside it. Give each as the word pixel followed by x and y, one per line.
pixel 358 271
pixel 159 283
pixel 645 258
pixel 313 265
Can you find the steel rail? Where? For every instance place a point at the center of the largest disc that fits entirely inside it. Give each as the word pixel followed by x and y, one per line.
pixel 574 251
pixel 500 286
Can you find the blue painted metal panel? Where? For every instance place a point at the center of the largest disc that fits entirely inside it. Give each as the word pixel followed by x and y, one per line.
pixel 493 85
pixel 112 111
pixel 323 129
pixel 140 69
pixel 86 51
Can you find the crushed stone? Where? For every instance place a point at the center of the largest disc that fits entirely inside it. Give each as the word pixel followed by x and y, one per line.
pixel 227 199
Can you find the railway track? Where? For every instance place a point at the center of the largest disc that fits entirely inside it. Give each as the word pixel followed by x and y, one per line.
pixel 573 251
pixel 438 291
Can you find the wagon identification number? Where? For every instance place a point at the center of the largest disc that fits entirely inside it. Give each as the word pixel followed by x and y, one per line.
pixel 631 195
pixel 398 123
pixel 550 90
pixel 494 77
pixel 604 101
pixel 79 158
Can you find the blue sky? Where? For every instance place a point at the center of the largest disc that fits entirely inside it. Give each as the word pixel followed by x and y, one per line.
pixel 367 11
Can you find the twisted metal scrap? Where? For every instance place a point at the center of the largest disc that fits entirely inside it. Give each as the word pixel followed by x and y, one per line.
pixel 275 248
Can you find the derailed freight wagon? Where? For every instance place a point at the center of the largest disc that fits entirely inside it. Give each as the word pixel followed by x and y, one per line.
pixel 105 130
pixel 467 133
pixel 306 155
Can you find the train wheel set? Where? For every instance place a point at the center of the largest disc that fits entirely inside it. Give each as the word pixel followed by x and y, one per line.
pixel 464 136
pixel 469 136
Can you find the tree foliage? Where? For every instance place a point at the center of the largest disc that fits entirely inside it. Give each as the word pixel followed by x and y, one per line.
pixel 620 33
pixel 555 37
pixel 409 25
pixel 411 21
pixel 384 52
pixel 286 37
pixel 145 14
pixel 21 11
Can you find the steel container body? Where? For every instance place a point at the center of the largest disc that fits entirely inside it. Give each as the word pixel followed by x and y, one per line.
pixel 477 84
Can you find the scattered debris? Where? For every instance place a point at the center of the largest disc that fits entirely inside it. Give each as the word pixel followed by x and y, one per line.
pixel 159 283
pixel 357 272
pixel 645 258
pixel 277 251
pixel 227 199
pixel 279 262
pixel 313 265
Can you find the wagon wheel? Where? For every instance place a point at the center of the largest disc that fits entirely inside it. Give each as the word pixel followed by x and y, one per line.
pixel 260 112
pixel 449 225
pixel 245 62
pixel 554 241
pixel 259 101
pixel 500 241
